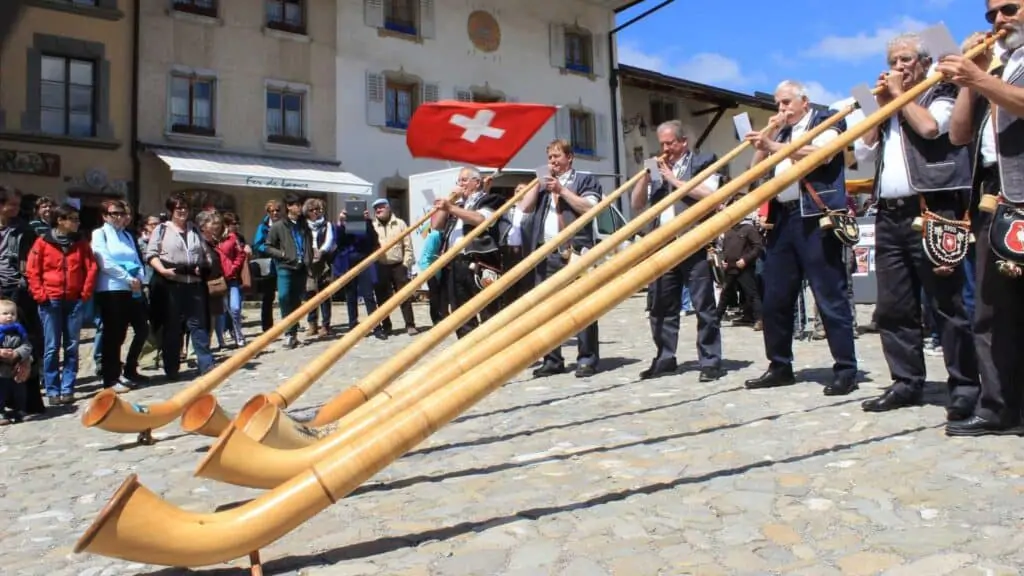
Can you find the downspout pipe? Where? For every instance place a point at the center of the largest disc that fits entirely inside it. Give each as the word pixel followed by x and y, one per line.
pixel 134 196
pixel 613 82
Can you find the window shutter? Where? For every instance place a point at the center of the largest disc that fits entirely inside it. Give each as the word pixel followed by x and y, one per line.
pixel 563 124
pixel 557 45
pixel 376 111
pixel 373 13
pixel 463 94
pixel 426 18
pixel 600 45
pixel 431 92
pixel 601 135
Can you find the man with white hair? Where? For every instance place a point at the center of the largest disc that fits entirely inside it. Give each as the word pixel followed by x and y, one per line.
pixel 798 248
pixel 680 164
pixel 471 206
pixel 918 169
pixel 989 115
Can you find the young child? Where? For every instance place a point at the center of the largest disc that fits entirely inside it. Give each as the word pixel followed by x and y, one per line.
pixel 15 358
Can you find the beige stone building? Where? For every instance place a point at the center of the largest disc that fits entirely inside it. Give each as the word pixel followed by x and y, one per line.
pixel 66 102
pixel 237 104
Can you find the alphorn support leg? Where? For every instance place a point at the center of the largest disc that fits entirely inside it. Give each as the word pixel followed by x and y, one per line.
pixel 145 438
pixel 255 566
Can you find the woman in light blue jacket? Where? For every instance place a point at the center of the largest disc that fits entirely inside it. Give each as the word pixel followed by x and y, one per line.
pixel 119 296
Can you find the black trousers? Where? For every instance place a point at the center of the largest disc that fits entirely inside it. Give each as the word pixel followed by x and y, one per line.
pixel 268 288
pixel 998 333
pixel 587 348
pixel 796 249
pixel 390 279
pixel 666 302
pixel 118 310
pixel 904 273
pixel 437 297
pixel 461 288
pixel 750 295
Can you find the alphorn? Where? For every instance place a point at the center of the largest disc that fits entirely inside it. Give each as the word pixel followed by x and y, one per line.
pixel 109 412
pixel 275 428
pixel 238 458
pixel 209 419
pixel 137 525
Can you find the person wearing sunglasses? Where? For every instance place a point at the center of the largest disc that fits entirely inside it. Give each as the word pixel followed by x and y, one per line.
pixel 989 116
pixel 119 297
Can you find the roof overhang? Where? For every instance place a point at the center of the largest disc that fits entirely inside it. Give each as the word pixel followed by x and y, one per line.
pixel 656 81
pixel 224 169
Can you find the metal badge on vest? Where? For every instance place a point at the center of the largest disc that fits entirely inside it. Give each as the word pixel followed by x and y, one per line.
pixel 945 241
pixel 842 225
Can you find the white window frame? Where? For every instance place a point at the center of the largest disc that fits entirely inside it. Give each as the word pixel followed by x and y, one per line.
pixel 376 107
pixel 598 49
pixel 374 17
pixel 563 130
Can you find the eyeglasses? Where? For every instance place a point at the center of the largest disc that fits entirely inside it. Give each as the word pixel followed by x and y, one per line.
pixel 116 213
pixel 1008 10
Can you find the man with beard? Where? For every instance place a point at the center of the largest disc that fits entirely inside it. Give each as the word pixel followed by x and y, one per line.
pixel 917 169
pixel 989 114
pixel 471 205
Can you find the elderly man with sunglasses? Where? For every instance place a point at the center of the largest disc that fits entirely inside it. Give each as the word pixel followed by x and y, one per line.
pixel 989 115
pixel 918 169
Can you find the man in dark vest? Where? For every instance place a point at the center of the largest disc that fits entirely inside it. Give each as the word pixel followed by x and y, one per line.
pixel 989 114
pixel 472 204
pixel 797 248
pixel 557 201
pixel 680 163
pixel 917 169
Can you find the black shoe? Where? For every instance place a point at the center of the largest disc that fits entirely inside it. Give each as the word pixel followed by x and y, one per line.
pixel 585 371
pixel 659 369
pixel 711 373
pixel 891 399
pixel 771 379
pixel 978 426
pixel 548 370
pixel 840 386
pixel 960 408
pixel 134 377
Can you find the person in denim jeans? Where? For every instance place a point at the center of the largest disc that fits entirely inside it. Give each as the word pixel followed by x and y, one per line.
pixel 61 275
pixel 290 244
pixel 352 249
pixel 233 259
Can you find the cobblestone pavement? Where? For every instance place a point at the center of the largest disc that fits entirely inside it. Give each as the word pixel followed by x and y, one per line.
pixel 579 477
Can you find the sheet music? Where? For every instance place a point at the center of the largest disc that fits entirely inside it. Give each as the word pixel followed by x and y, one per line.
pixel 742 124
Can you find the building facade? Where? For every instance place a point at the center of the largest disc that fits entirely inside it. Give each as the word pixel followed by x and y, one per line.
pixel 395 54
pixel 66 102
pixel 237 104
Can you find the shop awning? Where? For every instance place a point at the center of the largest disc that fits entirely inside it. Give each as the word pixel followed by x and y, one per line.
pixel 255 172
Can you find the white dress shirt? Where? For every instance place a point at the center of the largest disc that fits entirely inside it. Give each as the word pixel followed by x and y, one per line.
pixel 894 180
pixel 988 134
pixel 456 233
pixel 678 169
pixel 793 191
pixel 551 218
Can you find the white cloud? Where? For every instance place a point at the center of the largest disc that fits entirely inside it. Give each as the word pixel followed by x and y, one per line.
pixel 706 67
pixel 863 45
pixel 818 94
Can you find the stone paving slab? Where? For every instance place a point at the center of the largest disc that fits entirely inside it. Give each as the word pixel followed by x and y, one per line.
pixel 571 477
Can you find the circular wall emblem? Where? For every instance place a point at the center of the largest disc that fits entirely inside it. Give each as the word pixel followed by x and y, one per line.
pixel 484 31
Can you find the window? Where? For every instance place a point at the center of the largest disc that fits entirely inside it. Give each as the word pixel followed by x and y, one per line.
pixel 582 135
pixel 400 102
pixel 400 16
pixel 287 15
pixel 662 111
pixel 484 95
pixel 192 105
pixel 285 118
pixel 201 7
pixel 609 221
pixel 67 104
pixel 578 52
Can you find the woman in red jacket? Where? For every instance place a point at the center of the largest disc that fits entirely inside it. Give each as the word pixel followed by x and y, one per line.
pixel 232 260
pixel 61 273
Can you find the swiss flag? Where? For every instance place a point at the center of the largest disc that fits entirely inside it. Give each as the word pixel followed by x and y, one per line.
pixel 483 134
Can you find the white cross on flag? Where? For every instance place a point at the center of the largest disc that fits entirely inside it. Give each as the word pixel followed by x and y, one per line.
pixel 482 134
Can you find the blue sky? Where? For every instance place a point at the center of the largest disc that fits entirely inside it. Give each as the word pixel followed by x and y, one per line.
pixel 746 46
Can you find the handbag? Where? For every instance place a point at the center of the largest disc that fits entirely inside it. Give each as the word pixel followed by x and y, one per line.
pixel 844 226
pixel 245 275
pixel 945 241
pixel 1006 239
pixel 217 286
